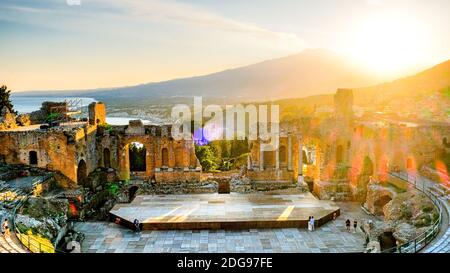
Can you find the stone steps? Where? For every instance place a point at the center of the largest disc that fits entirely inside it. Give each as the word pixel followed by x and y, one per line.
pixel 11 245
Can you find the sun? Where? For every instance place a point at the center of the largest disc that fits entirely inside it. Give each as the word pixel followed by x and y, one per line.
pixel 388 45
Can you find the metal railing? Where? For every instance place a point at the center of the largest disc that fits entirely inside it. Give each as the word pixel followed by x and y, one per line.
pixel 423 239
pixel 30 241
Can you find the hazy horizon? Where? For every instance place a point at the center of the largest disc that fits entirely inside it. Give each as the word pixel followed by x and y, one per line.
pixel 379 78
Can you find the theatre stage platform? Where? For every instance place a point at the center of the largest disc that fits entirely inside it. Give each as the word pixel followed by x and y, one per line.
pixel 224 211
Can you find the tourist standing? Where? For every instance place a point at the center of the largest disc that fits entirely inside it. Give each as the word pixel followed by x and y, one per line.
pixel 311 222
pixel 355 225
pixel 137 227
pixel 5 228
pixel 347 224
pixel 73 247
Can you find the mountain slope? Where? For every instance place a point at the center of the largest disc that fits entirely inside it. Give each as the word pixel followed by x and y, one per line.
pixel 308 73
pixel 429 81
pixel 424 96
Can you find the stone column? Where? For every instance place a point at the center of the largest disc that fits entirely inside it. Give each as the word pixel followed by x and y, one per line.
pixel 249 162
pixel 261 158
pixel 300 160
pixel 277 158
pixel 124 163
pixel 289 153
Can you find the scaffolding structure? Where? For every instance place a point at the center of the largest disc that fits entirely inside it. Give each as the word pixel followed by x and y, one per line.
pixel 67 111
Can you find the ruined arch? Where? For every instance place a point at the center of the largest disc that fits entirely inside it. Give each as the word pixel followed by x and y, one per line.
pixel 33 158
pixel 398 161
pixel 367 166
pixel 137 157
pixel 409 163
pixel 106 158
pixel 82 172
pixel 179 157
pixel 164 157
pixel 269 159
pixel 283 155
pixel 305 159
pixel 124 167
pixel 387 241
pixel 339 154
pixel 380 203
pixel 384 168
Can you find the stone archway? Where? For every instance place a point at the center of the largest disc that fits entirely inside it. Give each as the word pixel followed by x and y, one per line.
pixel 81 172
pixel 283 155
pixel 409 164
pixel 165 157
pixel 305 159
pixel 33 158
pixel 124 168
pixel 137 157
pixel 269 160
pixel 380 203
pixel 363 178
pixel 106 158
pixel 387 241
pixel 339 154
pixel 367 167
pixel 179 157
pixel 311 159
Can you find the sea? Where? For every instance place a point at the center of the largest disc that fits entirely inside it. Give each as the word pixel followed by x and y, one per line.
pixel 30 104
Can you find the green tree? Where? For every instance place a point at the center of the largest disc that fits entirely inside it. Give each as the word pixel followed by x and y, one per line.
pixel 137 157
pixel 225 147
pixel 238 148
pixel 53 117
pixel 205 155
pixel 5 99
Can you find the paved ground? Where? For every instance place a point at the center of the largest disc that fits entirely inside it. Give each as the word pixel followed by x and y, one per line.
pixel 108 237
pixel 442 243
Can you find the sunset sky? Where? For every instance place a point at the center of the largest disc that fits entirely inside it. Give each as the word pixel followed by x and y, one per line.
pixel 48 44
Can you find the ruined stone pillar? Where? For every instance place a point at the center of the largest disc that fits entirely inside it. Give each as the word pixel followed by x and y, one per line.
pixel 289 153
pixel 277 158
pixel 124 163
pixel 319 163
pixel 261 158
pixel 300 160
pixel 249 163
